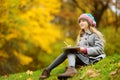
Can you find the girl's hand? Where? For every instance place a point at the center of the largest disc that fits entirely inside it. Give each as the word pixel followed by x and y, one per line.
pixel 81 49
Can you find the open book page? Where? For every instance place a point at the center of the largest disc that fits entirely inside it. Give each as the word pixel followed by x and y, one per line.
pixel 71 47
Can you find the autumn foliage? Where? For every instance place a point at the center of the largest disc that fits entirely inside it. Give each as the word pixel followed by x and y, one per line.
pixel 32 32
pixel 26 26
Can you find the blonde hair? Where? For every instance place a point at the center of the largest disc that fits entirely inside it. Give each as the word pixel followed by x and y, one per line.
pixel 94 30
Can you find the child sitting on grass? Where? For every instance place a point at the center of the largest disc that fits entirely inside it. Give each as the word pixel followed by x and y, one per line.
pixel 91 48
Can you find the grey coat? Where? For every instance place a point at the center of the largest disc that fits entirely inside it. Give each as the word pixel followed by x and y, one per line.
pixel 95 48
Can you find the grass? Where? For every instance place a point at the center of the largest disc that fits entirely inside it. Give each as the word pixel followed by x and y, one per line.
pixel 106 69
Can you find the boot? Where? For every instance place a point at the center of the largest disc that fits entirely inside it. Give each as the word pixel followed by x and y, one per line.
pixel 70 71
pixel 45 74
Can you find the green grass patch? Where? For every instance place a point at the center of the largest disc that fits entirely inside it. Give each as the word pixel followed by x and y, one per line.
pixel 106 69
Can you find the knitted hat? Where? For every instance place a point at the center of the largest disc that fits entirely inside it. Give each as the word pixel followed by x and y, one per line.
pixel 88 17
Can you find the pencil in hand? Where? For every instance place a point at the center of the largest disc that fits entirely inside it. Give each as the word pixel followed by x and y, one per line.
pixel 67 44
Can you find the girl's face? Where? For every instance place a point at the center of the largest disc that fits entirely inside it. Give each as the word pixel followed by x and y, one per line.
pixel 83 24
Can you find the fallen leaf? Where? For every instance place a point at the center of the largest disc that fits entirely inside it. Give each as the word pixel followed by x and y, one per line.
pixel 113 72
pixel 92 73
pixel 29 72
pixel 29 79
pixel 95 75
pixel 89 72
pixel 119 64
pixel 6 76
pixel 20 76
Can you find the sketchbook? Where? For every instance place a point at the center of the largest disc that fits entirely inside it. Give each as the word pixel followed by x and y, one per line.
pixel 72 47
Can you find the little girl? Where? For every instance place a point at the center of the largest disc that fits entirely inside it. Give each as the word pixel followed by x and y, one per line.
pixel 91 48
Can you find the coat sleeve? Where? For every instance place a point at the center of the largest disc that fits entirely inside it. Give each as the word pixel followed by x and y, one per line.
pixel 98 47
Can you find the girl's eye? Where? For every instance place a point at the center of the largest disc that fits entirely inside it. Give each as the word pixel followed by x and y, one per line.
pixel 83 20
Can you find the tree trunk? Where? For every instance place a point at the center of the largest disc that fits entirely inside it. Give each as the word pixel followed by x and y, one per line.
pixel 98 12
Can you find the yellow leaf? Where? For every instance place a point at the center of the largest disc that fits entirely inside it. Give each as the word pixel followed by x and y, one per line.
pixel 29 79
pixel 92 73
pixel 119 64
pixel 29 72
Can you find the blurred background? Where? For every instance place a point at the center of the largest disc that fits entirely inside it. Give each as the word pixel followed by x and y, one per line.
pixel 32 32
